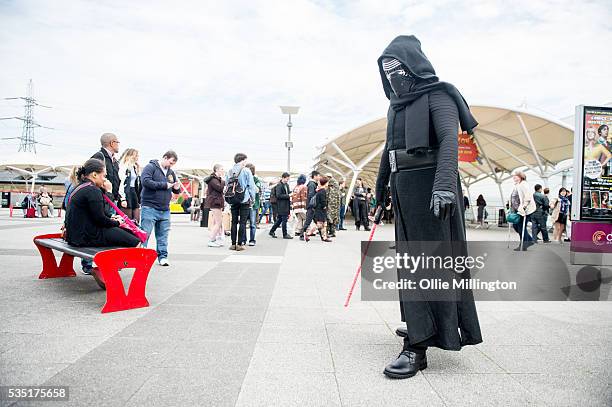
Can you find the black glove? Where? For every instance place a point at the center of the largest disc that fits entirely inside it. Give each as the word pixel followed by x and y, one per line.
pixel 442 204
pixel 378 214
pixel 381 198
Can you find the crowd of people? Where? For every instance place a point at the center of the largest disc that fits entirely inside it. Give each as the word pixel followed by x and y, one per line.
pixel 109 183
pixel 111 190
pixel 239 197
pixel 314 206
pixel 533 206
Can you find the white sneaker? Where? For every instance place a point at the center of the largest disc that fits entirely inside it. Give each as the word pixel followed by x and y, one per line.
pixel 163 262
pixel 214 243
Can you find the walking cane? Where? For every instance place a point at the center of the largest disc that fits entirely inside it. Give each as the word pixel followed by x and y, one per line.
pixel 523 230
pixel 377 217
pixel 509 226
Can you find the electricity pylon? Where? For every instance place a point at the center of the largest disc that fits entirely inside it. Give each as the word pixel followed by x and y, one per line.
pixel 28 142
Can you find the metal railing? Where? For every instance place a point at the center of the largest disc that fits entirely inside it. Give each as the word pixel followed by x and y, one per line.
pixel 491 219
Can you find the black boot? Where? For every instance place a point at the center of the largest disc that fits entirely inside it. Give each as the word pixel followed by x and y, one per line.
pixel 407 364
pixel 357 226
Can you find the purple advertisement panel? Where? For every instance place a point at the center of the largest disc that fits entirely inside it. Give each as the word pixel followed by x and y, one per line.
pixel 595 203
pixel 591 237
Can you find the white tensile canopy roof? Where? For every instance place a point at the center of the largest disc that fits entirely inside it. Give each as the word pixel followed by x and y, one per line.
pixel 507 139
pixel 26 163
pixel 30 165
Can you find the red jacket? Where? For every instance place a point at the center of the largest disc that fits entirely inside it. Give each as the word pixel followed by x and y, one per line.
pixel 214 192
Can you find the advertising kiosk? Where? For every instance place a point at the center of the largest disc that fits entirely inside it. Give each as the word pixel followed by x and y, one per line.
pixel 591 214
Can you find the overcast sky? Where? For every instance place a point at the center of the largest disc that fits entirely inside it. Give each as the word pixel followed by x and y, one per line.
pixel 206 77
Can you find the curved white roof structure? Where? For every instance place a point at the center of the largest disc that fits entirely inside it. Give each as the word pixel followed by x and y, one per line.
pixel 507 138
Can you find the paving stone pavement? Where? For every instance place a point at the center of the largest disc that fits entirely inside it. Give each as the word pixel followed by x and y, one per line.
pixel 267 327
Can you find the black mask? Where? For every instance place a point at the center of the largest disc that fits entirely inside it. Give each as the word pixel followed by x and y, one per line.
pixel 399 77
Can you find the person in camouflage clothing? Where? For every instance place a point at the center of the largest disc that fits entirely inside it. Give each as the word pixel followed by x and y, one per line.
pixel 333 206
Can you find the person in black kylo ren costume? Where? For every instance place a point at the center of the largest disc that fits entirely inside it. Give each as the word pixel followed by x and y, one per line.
pixel 420 163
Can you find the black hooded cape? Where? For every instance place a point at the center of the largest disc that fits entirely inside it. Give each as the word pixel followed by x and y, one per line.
pixel 433 112
pixel 407 50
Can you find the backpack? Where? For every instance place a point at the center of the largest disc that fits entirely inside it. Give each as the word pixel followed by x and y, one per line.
pixel 273 198
pixel 234 192
pixel 313 202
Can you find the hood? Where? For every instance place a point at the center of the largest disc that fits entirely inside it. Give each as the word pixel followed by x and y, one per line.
pixel 407 50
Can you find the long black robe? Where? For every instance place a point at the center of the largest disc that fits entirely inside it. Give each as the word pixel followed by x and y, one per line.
pixel 443 324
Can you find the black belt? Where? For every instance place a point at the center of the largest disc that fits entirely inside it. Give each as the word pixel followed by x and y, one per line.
pixel 402 160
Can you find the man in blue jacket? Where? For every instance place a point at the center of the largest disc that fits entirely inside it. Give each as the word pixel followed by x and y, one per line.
pixel 158 184
pixel 241 211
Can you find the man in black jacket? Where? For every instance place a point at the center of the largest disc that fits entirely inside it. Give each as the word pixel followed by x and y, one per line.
pixel 107 154
pixel 360 206
pixel 540 215
pixel 283 206
pixel 312 190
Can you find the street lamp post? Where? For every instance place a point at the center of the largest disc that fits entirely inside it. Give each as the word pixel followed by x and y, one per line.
pixel 289 110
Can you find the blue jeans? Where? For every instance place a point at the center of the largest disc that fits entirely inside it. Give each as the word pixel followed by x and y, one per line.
pixel 86 264
pixel 342 215
pixel 252 224
pixel 521 228
pixel 160 220
pixel 265 209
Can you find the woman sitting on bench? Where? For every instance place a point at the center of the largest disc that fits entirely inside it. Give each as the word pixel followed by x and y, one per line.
pixel 87 225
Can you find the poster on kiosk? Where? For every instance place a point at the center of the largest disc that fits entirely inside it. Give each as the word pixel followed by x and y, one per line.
pixel 592 198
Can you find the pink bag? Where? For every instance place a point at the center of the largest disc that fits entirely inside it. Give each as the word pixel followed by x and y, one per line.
pixel 128 224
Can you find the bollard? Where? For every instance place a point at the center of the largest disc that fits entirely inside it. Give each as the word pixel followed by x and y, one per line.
pixel 204 219
pixel 59 212
pixel 10 210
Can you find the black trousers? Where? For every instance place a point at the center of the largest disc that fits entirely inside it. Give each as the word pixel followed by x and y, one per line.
pixel 309 218
pixel 539 225
pixel 240 214
pixel 116 236
pixel 280 220
pixel 360 211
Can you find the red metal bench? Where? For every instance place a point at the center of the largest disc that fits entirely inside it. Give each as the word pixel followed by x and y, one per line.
pixel 110 260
